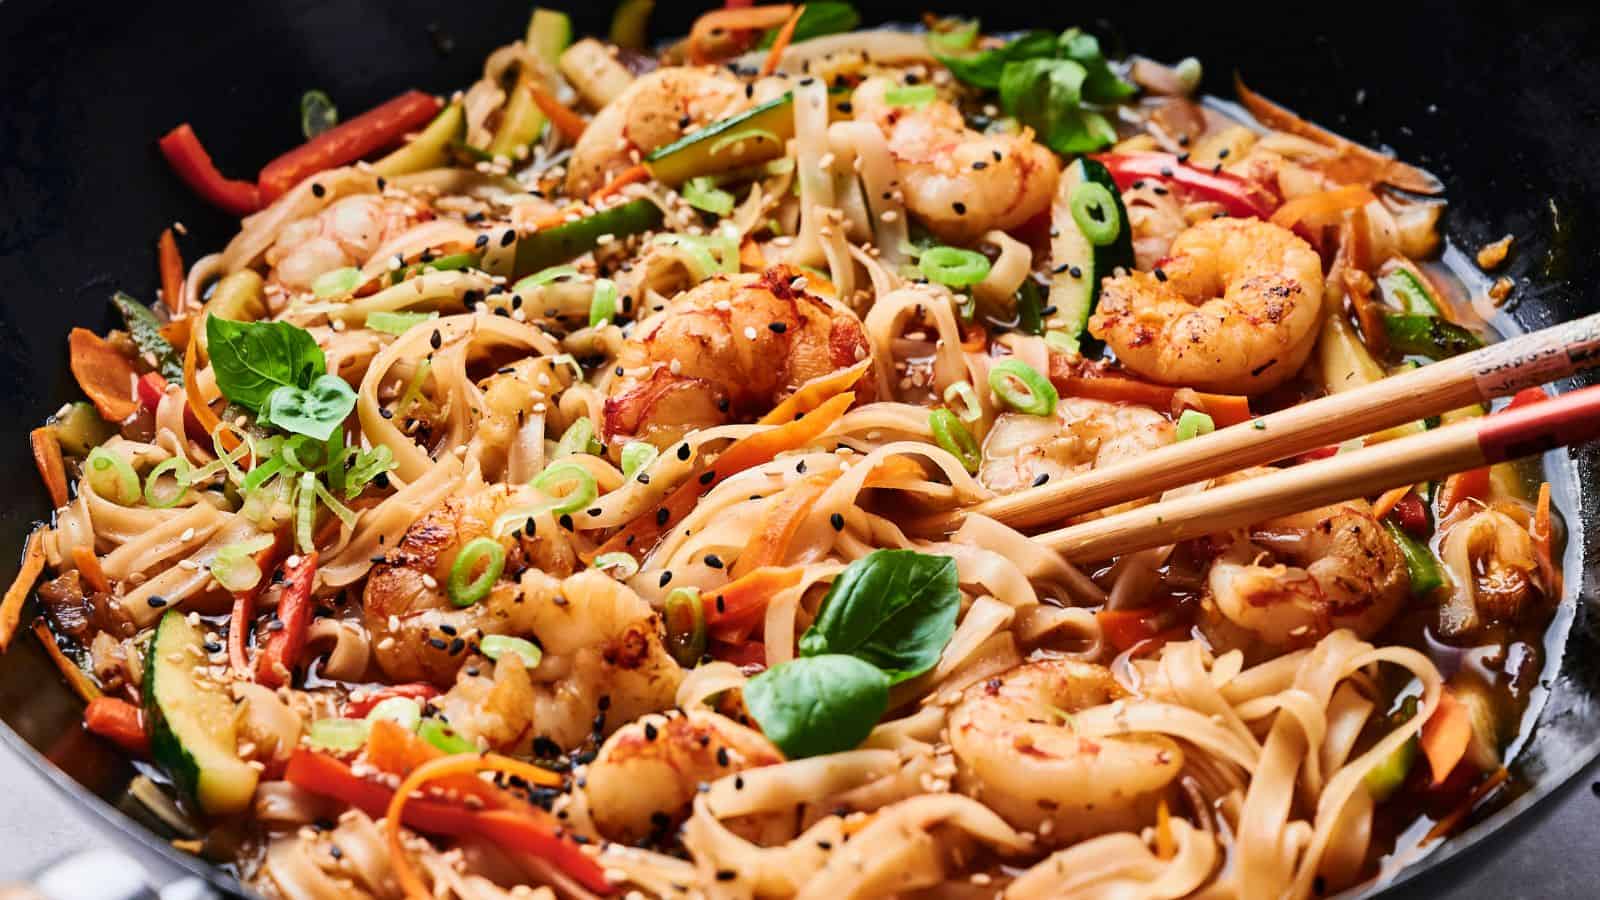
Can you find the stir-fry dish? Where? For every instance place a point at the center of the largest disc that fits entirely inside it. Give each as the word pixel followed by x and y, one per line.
pixel 548 491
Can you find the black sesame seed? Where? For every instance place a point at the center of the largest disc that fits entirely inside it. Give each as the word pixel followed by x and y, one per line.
pixel 722 756
pixel 1076 272
pixel 1041 478
pixel 778 327
pixel 661 516
pixel 438 643
pixel 509 238
pixel 650 731
pixel 565 521
pixel 708 476
pixel 837 521
pixel 713 560
pixel 436 340
pixel 317 190
pixel 959 207
pixel 666 577
pixel 726 875
pixel 156 601
pixel 683 451
pixel 1160 275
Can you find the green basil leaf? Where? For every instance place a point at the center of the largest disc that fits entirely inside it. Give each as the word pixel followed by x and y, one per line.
pixel 253 359
pixel 819 19
pixel 895 609
pixel 1047 96
pixel 145 329
pixel 1102 84
pixel 983 69
pixel 315 411
pixel 818 704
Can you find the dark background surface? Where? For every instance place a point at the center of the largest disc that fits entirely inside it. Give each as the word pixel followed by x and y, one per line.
pixel 1502 103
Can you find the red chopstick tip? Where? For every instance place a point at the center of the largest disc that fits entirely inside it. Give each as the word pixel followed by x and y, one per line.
pixel 1527 430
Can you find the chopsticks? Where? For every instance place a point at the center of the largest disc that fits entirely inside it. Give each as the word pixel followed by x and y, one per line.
pixel 1493 371
pixel 1570 418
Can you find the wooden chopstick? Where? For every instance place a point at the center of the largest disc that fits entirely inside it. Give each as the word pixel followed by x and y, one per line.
pixel 1493 371
pixel 1570 418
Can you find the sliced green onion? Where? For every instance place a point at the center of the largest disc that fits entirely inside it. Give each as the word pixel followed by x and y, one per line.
pixel 956 39
pixel 637 456
pixel 336 282
pixel 623 565
pixel 397 322
pixel 112 477
pixel 748 134
pixel 368 465
pixel 949 433
pixel 445 738
pixel 910 95
pixel 179 467
pixel 570 361
pixel 1063 342
pixel 583 491
pixel 451 262
pixel 403 711
pixel 962 394
pixel 1194 423
pixel 225 459
pixel 543 277
pixel 317 113
pixel 603 305
pixel 578 438
pixel 464 592
pixel 702 193
pixel 414 387
pixel 262 473
pixel 496 645
pixel 700 252
pixel 1022 388
pixel 305 503
pixel 1189 72
pixel 1095 211
pixel 344 513
pixel 234 567
pixel 953 267
pixel 685 615
pixel 343 735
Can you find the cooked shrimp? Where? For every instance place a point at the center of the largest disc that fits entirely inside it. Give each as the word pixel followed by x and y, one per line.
pixel 1493 571
pixel 1233 308
pixel 419 634
pixel 344 234
pixel 603 665
pixel 1018 753
pixel 1296 578
pixel 958 182
pixel 1084 434
pixel 726 351
pixel 655 110
pixel 646 776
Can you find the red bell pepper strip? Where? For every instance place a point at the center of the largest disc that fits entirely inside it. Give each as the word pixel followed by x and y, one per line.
pixel 1527 397
pixel 193 164
pixel 285 647
pixel 151 388
pixel 1239 197
pixel 418 691
pixel 244 604
pixel 119 722
pixel 373 130
pixel 1411 514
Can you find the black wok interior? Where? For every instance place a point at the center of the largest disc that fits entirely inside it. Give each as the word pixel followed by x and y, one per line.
pixel 1500 102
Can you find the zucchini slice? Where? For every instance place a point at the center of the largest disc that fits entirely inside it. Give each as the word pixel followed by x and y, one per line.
pixel 193 722
pixel 756 135
pixel 565 242
pixel 1079 264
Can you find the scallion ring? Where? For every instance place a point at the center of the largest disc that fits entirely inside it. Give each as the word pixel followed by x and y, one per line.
pixel 637 456
pixel 444 737
pixel 703 194
pixel 949 433
pixel 581 494
pixel 1194 423
pixel 603 306
pixel 1063 342
pixel 341 735
pixel 466 589
pixel 337 282
pixel 234 566
pixel 112 477
pixel 953 267
pixel 495 646
pixel 961 398
pixel 403 711
pixel 685 615
pixel 622 565
pixel 543 277
pixel 179 469
pixel 910 95
pixel 1022 388
pixel 578 438
pixel 1095 211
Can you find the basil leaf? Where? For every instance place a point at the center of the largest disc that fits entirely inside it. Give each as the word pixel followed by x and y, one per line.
pixel 253 359
pixel 1047 96
pixel 1102 84
pixel 819 19
pixel 895 609
pixel 314 411
pixel 818 704
pixel 983 69
pixel 145 329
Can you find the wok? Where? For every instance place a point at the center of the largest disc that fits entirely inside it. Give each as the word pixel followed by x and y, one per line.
pixel 1498 101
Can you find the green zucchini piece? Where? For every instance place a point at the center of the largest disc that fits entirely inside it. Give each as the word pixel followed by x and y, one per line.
pixel 192 721
pixel 554 246
pixel 1079 264
pixel 1430 336
pixel 80 429
pixel 766 129
pixel 430 149
pixel 549 33
pixel 1388 776
pixel 1403 290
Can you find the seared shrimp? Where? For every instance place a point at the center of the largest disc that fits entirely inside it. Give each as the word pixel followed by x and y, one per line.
pixel 1018 754
pixel 1294 579
pixel 1234 307
pixel 344 234
pixel 958 182
pixel 603 665
pixel 726 351
pixel 655 110
pixel 647 773
pixel 419 634
pixel 1494 571
pixel 1084 434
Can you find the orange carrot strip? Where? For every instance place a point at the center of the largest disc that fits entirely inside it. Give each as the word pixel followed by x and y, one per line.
pixel 77 679
pixel 17 594
pixel 1446 735
pixel 781 42
pixel 815 392
pixel 105 375
pixel 570 124
pixel 1319 206
pixel 1387 501
pixel 171 265
pixel 47 457
pixel 203 413
pixel 751 259
pixel 740 604
pixel 119 722
pixel 1224 409
pixel 1543 541
pixel 769 545
pixel 723 23
pixel 89 567
pixel 1458 488
pixel 630 175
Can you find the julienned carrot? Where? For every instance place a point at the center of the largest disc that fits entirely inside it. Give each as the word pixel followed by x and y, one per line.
pixel 1224 409
pixel 17 595
pixel 47 457
pixel 738 605
pixel 203 415
pixel 781 42
pixel 1473 483
pixel 89 568
pixel 171 267
pixel 630 175
pixel 105 375
pixel 570 124
pixel 117 721
pixel 638 536
pixel 1543 540
pixel 1316 208
pixel 814 393
pixel 81 683
pixel 1446 736
pixel 769 545
pixel 1387 501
